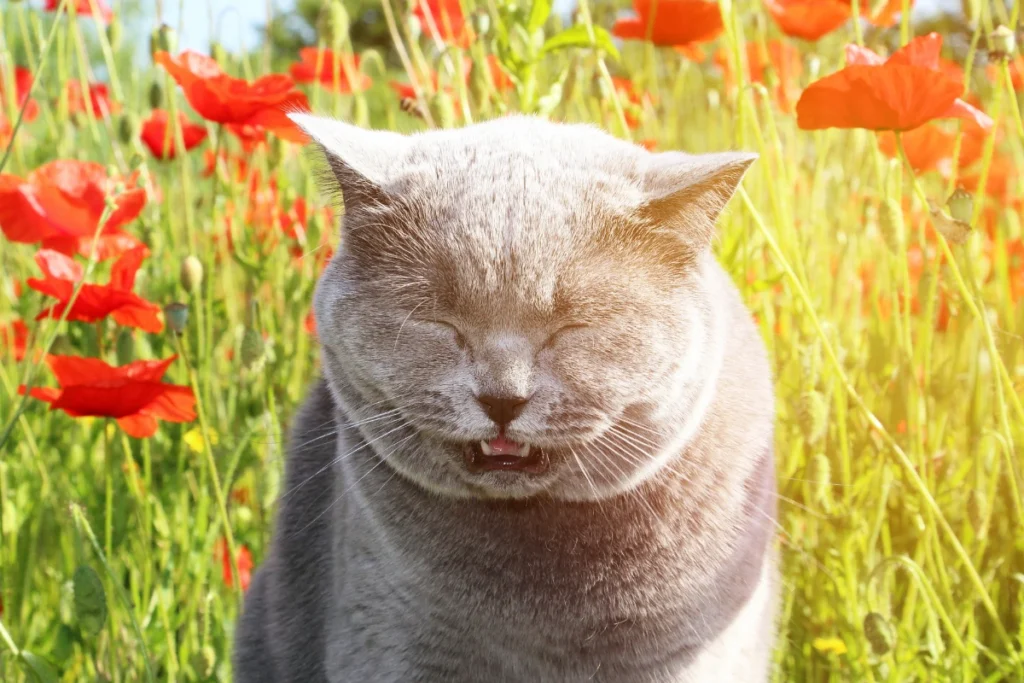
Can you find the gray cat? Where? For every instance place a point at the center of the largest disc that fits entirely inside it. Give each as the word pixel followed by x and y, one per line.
pixel 542 447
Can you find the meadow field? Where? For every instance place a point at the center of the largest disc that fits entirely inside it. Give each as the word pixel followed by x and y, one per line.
pixel 163 232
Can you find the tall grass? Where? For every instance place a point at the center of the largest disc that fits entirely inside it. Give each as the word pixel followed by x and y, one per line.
pixel 899 426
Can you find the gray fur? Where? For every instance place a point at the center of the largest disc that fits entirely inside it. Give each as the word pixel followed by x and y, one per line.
pixel 556 262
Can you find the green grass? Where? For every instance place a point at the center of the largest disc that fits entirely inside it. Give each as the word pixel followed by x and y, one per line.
pixel 898 442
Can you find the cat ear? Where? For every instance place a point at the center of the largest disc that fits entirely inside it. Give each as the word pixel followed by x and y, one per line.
pixel 685 193
pixel 358 159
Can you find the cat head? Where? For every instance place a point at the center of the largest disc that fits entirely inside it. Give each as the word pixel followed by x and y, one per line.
pixel 521 307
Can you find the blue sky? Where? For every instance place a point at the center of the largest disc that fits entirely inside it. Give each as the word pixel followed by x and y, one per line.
pixel 234 21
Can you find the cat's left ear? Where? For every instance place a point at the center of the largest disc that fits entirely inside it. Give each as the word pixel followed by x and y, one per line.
pixel 685 193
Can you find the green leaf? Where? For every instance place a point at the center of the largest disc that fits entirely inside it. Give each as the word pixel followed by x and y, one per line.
pixel 90 600
pixel 38 668
pixel 578 36
pixel 539 13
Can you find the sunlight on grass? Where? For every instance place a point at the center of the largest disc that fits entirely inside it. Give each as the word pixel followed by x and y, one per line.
pixel 889 299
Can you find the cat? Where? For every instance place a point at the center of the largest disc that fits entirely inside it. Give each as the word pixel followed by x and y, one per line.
pixel 541 449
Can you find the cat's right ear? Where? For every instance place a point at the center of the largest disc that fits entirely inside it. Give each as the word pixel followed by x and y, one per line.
pixel 359 160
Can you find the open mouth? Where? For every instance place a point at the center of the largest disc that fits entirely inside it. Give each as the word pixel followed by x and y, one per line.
pixel 505 455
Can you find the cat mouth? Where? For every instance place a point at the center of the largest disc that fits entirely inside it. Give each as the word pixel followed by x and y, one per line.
pixel 504 455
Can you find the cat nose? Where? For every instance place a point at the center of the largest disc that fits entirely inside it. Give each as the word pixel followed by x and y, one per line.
pixel 502 409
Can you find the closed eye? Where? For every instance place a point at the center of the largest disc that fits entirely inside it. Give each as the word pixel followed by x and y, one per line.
pixel 561 332
pixel 460 339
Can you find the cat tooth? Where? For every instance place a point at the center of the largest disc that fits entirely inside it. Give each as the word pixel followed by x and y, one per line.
pixel 486 448
pixel 524 451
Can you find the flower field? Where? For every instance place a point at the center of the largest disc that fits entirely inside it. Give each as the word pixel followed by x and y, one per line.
pixel 163 229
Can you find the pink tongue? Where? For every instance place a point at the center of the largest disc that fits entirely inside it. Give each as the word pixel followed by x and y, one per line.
pixel 502 446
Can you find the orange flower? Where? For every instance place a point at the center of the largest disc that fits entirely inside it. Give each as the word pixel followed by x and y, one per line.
pixel 808 19
pixel 995 73
pixel 160 138
pixel 319 66
pixel 443 20
pixel 243 561
pixel 96 302
pixel 14 337
pixel 929 148
pixel 502 81
pixel 60 205
pixel 218 97
pixel 673 22
pixel 633 100
pixel 95 103
pixel 780 57
pixel 83 8
pixel 131 394
pixel 692 52
pixel 22 87
pixel 901 93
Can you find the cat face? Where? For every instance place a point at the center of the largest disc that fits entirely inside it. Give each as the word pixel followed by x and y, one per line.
pixel 519 307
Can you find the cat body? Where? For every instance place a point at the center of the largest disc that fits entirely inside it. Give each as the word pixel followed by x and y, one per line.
pixel 615 525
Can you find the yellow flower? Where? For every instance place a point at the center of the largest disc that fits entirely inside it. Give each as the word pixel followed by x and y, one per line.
pixel 194 439
pixel 833 646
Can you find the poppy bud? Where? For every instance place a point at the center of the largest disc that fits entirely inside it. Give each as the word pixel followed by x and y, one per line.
pixel 333 23
pixel 177 316
pixel 961 205
pixel 879 632
pixel 128 128
pixel 114 34
pixel 156 95
pixel 163 39
pixel 415 28
pixel 125 347
pixel 1001 44
pixel 204 662
pixel 482 23
pixel 253 351
pixel 890 223
pixel 191 274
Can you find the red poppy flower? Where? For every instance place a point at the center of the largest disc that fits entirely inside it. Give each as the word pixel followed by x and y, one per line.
pixel 900 94
pixel 502 81
pixel 318 66
pixel 22 86
pixel 673 22
pixel 14 337
pixel 218 97
pixel 243 561
pixel 83 8
pixel 929 148
pixel 781 57
pixel 649 144
pixel 131 394
pixel 995 73
pixel 808 19
pixel 96 302
pixel 161 139
pixel 96 103
pixel 443 20
pixel 694 53
pixel 60 205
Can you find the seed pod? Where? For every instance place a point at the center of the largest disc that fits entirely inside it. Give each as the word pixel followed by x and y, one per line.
pixel 191 274
pixel 253 351
pixel 813 413
pixel 114 34
pixel 128 127
pixel 953 230
pixel 1001 44
pixel 90 600
pixel 333 23
pixel 880 634
pixel 163 39
pixel 890 223
pixel 961 205
pixel 482 23
pixel 176 315
pixel 156 95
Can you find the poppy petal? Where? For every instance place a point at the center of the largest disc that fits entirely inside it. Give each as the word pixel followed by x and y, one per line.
pixel 972 115
pixel 174 404
pixel 138 426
